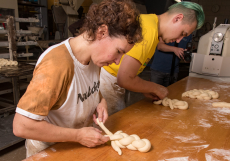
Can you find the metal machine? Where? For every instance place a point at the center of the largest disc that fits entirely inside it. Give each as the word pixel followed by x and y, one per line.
pixel 213 54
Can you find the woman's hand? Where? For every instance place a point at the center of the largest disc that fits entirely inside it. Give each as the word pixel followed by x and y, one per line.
pixel 102 112
pixel 90 137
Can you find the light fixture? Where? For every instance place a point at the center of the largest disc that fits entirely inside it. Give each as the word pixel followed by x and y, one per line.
pixel 217 37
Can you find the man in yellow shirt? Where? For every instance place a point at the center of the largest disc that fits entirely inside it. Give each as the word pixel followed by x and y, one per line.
pixel 179 21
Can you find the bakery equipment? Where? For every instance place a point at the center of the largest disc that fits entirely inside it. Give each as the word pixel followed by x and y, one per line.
pixel 213 53
pixel 70 7
pixel 36 31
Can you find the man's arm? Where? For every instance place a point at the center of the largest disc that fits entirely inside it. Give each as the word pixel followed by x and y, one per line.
pixel 43 131
pixel 128 79
pixel 167 48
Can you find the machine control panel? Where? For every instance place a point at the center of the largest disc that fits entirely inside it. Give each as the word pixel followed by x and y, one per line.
pixel 216 47
pixel 218 39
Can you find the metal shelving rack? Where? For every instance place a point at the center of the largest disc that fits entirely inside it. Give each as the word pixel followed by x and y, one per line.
pixel 12 34
pixel 6 119
pixel 13 55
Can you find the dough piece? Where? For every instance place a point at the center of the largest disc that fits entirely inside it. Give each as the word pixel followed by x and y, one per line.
pixel 104 128
pixel 221 104
pixel 116 137
pixel 147 146
pixel 116 148
pixel 201 94
pixel 123 140
pixel 157 102
pixel 5 62
pixel 133 142
pixel 127 140
pixel 175 103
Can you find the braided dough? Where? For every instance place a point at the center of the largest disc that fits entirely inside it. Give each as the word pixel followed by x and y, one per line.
pixel 221 104
pixel 5 62
pixel 123 140
pixel 174 103
pixel 201 94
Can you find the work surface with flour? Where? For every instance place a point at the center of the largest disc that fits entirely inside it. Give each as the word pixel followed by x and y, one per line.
pixel 200 133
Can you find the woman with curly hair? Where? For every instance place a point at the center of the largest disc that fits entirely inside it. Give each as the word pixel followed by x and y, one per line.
pixel 63 95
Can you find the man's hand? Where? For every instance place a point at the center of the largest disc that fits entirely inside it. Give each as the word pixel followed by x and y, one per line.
pixel 161 93
pixel 179 52
pixel 167 48
pixel 152 96
pixel 102 111
pixel 90 137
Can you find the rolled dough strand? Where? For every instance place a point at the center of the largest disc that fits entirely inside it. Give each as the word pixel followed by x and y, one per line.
pixel 113 144
pixel 116 148
pixel 117 142
pixel 104 128
pixel 131 146
pixel 157 102
pixel 170 104
pixel 147 146
pixel 221 104
pixel 213 94
pixel 183 105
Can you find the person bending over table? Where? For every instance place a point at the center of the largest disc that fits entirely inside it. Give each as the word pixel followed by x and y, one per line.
pixel 179 21
pixel 165 65
pixel 60 101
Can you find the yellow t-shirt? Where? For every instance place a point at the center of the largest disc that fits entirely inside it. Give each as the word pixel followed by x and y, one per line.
pixel 144 50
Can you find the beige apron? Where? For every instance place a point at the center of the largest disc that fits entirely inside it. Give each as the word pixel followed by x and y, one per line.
pixel 34 146
pixel 112 92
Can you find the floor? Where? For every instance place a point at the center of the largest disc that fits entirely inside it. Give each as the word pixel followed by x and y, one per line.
pixel 16 152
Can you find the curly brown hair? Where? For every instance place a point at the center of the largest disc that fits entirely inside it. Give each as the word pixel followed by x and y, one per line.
pixel 121 17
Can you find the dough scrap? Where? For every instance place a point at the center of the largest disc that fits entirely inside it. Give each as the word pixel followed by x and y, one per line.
pixel 201 94
pixel 123 140
pixel 172 103
pixel 221 104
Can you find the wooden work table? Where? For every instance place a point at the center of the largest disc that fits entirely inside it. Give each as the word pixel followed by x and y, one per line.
pixel 198 134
